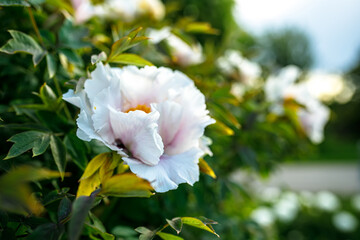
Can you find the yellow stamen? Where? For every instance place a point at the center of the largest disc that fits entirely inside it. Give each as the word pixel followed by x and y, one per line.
pixel 141 107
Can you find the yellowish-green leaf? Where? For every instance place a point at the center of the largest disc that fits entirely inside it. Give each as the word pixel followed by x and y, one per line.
pixel 131 59
pixel 168 236
pixel 201 27
pixel 125 43
pixel 222 128
pixel 26 173
pixel 15 194
pixel 107 169
pixel 95 164
pixel 126 185
pixel 122 168
pixel 205 168
pixel 88 185
pixel 194 222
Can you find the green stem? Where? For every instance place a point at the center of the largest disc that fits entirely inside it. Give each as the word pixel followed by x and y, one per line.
pixel 33 22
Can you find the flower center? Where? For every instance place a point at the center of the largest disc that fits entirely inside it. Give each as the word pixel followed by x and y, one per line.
pixel 141 107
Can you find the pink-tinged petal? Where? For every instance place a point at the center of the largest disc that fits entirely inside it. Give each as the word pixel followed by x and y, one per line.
pixel 170 115
pixel 137 131
pixel 170 171
pixel 135 84
pixel 192 123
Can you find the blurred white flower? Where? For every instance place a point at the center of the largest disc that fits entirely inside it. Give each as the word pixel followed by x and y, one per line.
pixel 329 87
pixel 287 207
pixel 153 117
pixel 248 73
pixel 183 53
pixel 327 201
pixel 118 9
pixel 282 87
pixel 234 63
pixel 345 221
pixel 270 194
pixel 355 202
pixel 307 198
pixel 263 216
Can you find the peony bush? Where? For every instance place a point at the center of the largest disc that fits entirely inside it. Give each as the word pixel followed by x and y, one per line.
pixel 108 107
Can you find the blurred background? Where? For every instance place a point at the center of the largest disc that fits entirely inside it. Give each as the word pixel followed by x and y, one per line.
pixel 323 37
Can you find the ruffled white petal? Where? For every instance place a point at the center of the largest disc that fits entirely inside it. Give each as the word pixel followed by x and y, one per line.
pixel 192 123
pixel 137 131
pixel 170 171
pixel 100 79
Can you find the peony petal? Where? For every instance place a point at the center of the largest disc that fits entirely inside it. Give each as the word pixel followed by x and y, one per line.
pixel 100 79
pixel 170 115
pixel 72 98
pixel 171 170
pixel 137 131
pixel 192 123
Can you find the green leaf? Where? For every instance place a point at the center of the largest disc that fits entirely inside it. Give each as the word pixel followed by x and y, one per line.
pixel 131 59
pixel 77 150
pixel 92 231
pixel 125 43
pixel 51 65
pixel 95 222
pixel 64 210
pixel 168 236
pixel 72 57
pixel 145 233
pixel 126 185
pixel 8 3
pixel 81 207
pixel 41 145
pixel 176 224
pixel 54 196
pixel 38 141
pixel 123 231
pixel 48 96
pixel 59 154
pixel 71 35
pixel 48 231
pixel 22 42
pixel 194 222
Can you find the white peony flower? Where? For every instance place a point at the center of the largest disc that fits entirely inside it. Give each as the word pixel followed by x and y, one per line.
pixel 183 53
pixel 153 117
pixel 233 62
pixel 283 86
pixel 118 9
